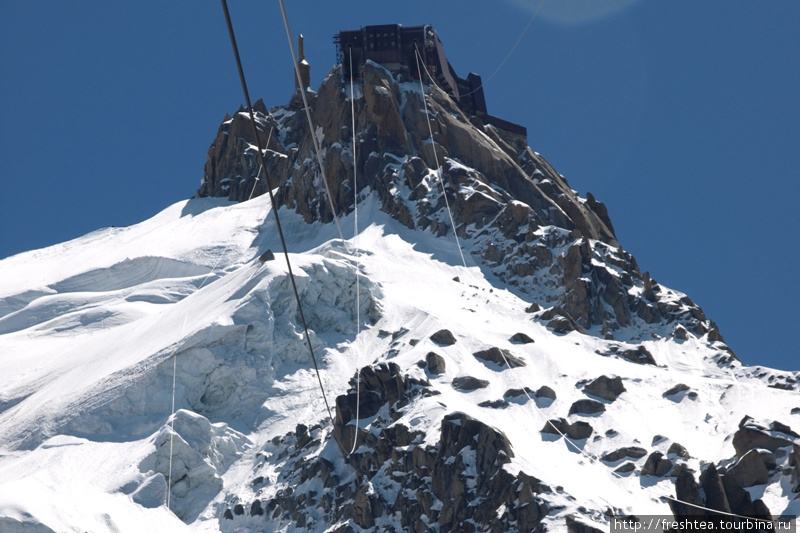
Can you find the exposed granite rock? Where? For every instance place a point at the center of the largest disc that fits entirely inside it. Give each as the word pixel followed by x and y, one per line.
pixel 500 357
pixel 750 470
pixel 605 387
pixel 677 449
pixel 640 356
pixel 575 431
pixel 435 363
pixel 514 210
pixel 443 337
pixel 716 498
pixel 520 338
pixel 546 392
pixel 469 383
pixel 751 435
pixel 633 452
pixel 586 407
pixel 656 465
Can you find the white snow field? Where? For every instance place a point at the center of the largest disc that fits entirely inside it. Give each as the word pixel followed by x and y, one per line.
pixel 91 329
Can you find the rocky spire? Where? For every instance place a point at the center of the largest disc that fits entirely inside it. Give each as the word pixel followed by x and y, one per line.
pixel 512 210
pixel 302 67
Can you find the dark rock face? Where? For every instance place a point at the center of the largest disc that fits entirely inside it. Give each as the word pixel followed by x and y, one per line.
pixel 586 407
pixel 677 449
pixel 575 431
pixel 469 383
pixel 687 490
pixel 674 391
pixel 458 484
pixel 751 435
pixel 500 357
pixel 722 493
pixel 750 470
pixel 640 356
pixel 443 337
pixel 510 206
pixel 574 525
pixel 560 321
pixel 625 468
pixel 716 498
pixel 520 338
pixel 435 363
pixel 633 452
pixel 605 387
pixel 546 392
pixel 794 461
pixel 380 385
pixel 656 465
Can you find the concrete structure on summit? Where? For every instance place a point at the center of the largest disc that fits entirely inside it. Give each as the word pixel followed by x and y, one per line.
pixel 395 45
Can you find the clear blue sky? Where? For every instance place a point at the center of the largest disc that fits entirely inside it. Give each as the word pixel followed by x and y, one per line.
pixel 682 116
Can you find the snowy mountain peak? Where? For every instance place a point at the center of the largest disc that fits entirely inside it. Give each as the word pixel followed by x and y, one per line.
pixel 515 214
pixel 156 377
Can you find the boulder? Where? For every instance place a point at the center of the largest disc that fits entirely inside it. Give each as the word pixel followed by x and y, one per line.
pixel 750 470
pixel 716 498
pixel 515 393
pixel 739 499
pixel 625 467
pixel 686 490
pixel 546 392
pixel 783 428
pixel 266 256
pixel 560 321
pixel 656 465
pixel 535 308
pixel 750 436
pixel 435 363
pixel 469 383
pixel 633 452
pixel 674 391
pixel 577 526
pixel 500 357
pixel 605 387
pixel 586 407
pixel 520 338
pixel 443 337
pixel 677 449
pixel 575 431
pixel 639 356
pixel 256 509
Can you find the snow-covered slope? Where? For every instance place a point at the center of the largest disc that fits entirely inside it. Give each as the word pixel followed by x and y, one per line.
pixel 157 377
pixel 93 327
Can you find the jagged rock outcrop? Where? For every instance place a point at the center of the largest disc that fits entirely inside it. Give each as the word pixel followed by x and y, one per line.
pixel 458 484
pixel 720 492
pixel 512 210
pixel 752 435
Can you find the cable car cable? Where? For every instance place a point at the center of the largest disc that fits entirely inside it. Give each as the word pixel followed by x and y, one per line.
pixel 311 125
pixel 436 157
pixel 272 202
pixel 355 245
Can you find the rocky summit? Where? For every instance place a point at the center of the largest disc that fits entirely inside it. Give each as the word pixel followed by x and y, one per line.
pixel 157 377
pixel 512 211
